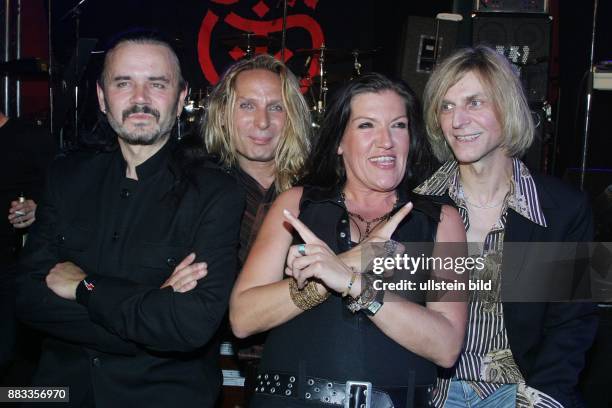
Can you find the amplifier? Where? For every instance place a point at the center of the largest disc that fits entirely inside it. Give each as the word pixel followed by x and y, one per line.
pixel 511 6
pixel 524 40
pixel 417 49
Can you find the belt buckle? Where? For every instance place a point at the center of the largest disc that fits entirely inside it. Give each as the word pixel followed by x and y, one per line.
pixel 358 386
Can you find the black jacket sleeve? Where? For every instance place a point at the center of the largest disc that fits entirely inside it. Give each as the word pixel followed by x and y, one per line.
pixel 162 320
pixel 37 305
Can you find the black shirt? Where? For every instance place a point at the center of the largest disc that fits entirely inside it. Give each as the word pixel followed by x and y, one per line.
pixel 128 342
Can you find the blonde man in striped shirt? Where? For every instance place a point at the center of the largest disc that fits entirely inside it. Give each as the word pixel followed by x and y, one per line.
pixel 479 125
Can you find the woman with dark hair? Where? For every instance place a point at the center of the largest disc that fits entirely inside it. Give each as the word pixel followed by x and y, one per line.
pixel 328 169
pixel 335 339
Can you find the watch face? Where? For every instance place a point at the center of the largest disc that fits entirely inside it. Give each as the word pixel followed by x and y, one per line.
pixel 373 308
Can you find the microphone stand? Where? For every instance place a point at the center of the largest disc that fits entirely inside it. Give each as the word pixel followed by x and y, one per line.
pixel 589 96
pixel 284 32
pixel 76 12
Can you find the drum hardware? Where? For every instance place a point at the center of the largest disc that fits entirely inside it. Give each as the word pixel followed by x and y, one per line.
pixel 284 32
pixel 356 65
pixel 196 104
pixel 330 54
pixel 319 107
pixel 321 55
pixel 196 100
pixel 318 85
pixel 356 53
pixel 248 42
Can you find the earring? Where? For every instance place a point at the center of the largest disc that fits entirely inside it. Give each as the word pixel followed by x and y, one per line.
pixel 178 124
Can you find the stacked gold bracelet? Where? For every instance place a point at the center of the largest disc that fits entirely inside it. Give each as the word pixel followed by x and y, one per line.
pixel 308 297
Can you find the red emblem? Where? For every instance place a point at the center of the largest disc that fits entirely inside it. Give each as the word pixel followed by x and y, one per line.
pixel 225 19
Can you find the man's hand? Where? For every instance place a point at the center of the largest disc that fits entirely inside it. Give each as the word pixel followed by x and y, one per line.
pixel 64 278
pixel 186 275
pixel 22 215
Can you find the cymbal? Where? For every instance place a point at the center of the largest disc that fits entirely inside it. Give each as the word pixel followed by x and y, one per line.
pixel 365 53
pixel 330 78
pixel 248 39
pixel 336 52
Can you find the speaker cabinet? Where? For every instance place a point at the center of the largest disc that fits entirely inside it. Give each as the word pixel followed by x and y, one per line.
pixel 417 49
pixel 525 41
pixel 511 6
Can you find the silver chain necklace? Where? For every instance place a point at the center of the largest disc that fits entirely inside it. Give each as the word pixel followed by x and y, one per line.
pixel 483 206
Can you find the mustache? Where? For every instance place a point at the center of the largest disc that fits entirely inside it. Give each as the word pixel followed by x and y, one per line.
pixel 140 109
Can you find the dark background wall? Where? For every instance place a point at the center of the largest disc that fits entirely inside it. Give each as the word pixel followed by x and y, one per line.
pixel 575 21
pixel 346 24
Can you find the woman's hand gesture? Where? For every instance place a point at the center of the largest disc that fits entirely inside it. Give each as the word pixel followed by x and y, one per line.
pixel 315 260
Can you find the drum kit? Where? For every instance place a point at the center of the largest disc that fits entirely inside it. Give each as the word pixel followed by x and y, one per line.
pixel 317 84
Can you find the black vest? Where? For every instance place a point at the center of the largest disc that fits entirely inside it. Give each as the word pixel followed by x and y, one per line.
pixel 329 341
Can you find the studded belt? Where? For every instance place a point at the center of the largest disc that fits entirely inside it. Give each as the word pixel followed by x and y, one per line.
pixel 349 394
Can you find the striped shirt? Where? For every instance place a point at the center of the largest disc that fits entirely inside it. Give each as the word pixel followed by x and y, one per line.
pixel 486 361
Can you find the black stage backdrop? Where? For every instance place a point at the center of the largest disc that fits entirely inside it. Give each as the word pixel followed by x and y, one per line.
pixel 201 28
pixel 201 25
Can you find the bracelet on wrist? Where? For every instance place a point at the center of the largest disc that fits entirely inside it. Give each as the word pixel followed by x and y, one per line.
pixel 370 300
pixel 308 297
pixel 350 284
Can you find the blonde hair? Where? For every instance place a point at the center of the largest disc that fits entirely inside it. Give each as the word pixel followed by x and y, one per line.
pixel 502 86
pixel 294 145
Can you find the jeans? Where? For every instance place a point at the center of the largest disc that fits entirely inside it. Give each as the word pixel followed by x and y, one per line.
pixel 461 394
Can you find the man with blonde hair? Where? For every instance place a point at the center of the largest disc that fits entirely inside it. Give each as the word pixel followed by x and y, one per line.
pixel 258 124
pixel 479 124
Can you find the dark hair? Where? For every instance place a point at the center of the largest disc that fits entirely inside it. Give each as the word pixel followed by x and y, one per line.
pixel 325 167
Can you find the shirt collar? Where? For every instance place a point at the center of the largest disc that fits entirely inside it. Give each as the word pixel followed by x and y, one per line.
pixel 523 198
pixel 153 164
pixel 247 179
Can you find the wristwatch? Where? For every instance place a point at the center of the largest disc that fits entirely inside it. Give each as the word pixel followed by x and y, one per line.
pixel 375 304
pixel 370 301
